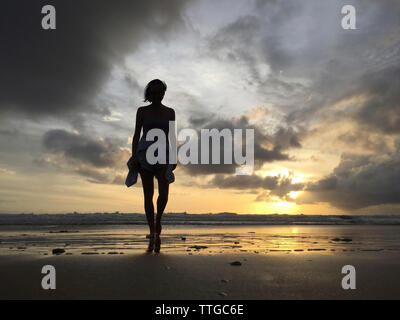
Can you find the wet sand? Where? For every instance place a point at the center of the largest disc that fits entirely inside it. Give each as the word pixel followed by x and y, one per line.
pixel 276 262
pixel 178 276
pixel 210 239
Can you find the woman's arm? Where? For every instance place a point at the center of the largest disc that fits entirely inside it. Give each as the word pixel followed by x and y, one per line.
pixel 138 128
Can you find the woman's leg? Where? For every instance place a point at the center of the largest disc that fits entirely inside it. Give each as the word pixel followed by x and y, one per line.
pixel 163 188
pixel 148 190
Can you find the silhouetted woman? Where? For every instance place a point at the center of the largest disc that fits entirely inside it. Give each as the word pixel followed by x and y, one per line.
pixel 155 115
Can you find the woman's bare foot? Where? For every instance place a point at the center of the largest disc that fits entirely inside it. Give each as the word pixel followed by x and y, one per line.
pixel 157 243
pixel 151 243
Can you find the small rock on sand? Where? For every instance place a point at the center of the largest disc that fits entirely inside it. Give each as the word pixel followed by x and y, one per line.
pixel 113 252
pixel 224 281
pixel 63 231
pixel 199 247
pixel 342 239
pixel 222 294
pixel 89 253
pixel 58 251
pixel 183 238
pixel 236 263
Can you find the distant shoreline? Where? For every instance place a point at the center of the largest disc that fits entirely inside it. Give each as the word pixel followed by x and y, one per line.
pixel 196 219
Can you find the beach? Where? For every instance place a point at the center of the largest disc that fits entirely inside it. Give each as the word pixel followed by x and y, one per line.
pixel 195 262
pixel 177 276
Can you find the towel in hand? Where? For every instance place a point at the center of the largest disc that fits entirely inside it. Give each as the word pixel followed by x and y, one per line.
pixel 132 176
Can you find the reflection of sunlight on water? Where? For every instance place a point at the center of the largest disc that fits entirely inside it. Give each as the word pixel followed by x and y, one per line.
pixel 192 239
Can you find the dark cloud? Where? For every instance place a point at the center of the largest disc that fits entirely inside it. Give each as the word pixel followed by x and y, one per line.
pixel 131 82
pixel 9 132
pixel 58 72
pixel 376 106
pixel 267 148
pixel 382 109
pixel 93 175
pixel 231 42
pixel 358 181
pixel 98 153
pixel 98 160
pixel 279 186
pixel 286 138
pixel 366 140
pixel 244 182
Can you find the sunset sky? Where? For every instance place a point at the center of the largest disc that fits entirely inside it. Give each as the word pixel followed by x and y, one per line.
pixel 324 103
